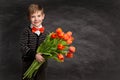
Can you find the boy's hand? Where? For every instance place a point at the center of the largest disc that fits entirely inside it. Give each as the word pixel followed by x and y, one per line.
pixel 39 58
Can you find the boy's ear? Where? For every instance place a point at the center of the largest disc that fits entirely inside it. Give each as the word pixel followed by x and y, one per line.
pixel 43 16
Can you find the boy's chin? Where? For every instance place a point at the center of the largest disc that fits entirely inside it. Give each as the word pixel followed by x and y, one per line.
pixel 36 25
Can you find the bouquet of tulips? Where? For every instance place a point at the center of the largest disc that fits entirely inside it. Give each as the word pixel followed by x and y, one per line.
pixel 55 46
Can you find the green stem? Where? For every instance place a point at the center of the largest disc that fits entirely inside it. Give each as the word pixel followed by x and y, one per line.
pixel 29 70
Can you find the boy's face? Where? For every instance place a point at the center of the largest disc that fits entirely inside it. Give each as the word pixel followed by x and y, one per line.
pixel 37 18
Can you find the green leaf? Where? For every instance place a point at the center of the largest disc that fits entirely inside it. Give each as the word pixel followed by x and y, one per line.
pixel 63 42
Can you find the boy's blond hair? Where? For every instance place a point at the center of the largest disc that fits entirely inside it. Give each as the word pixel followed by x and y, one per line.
pixel 34 8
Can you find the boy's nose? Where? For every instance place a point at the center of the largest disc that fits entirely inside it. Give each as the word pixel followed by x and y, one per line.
pixel 36 18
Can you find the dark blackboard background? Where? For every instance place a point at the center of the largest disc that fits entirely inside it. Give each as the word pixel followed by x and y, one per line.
pixel 95 26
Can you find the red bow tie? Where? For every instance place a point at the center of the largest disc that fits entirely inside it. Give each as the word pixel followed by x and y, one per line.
pixel 34 29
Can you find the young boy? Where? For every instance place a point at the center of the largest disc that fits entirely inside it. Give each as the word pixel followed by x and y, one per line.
pixel 31 38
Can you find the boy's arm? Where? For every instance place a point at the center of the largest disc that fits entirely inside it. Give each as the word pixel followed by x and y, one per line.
pixel 26 51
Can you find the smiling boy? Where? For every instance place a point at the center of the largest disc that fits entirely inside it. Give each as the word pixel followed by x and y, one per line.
pixel 31 37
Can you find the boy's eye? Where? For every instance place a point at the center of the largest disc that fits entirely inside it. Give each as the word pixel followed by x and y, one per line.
pixel 32 16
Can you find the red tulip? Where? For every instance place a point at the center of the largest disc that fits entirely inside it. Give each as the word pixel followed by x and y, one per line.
pixel 58 30
pixel 53 35
pixel 69 55
pixel 72 49
pixel 60 35
pixel 69 41
pixel 60 57
pixel 69 33
pixel 60 47
pixel 66 37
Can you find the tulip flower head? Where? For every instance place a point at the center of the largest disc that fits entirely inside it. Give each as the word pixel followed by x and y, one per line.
pixel 72 49
pixel 60 57
pixel 69 55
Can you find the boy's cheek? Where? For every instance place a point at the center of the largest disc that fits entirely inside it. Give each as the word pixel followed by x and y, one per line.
pixel 32 20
